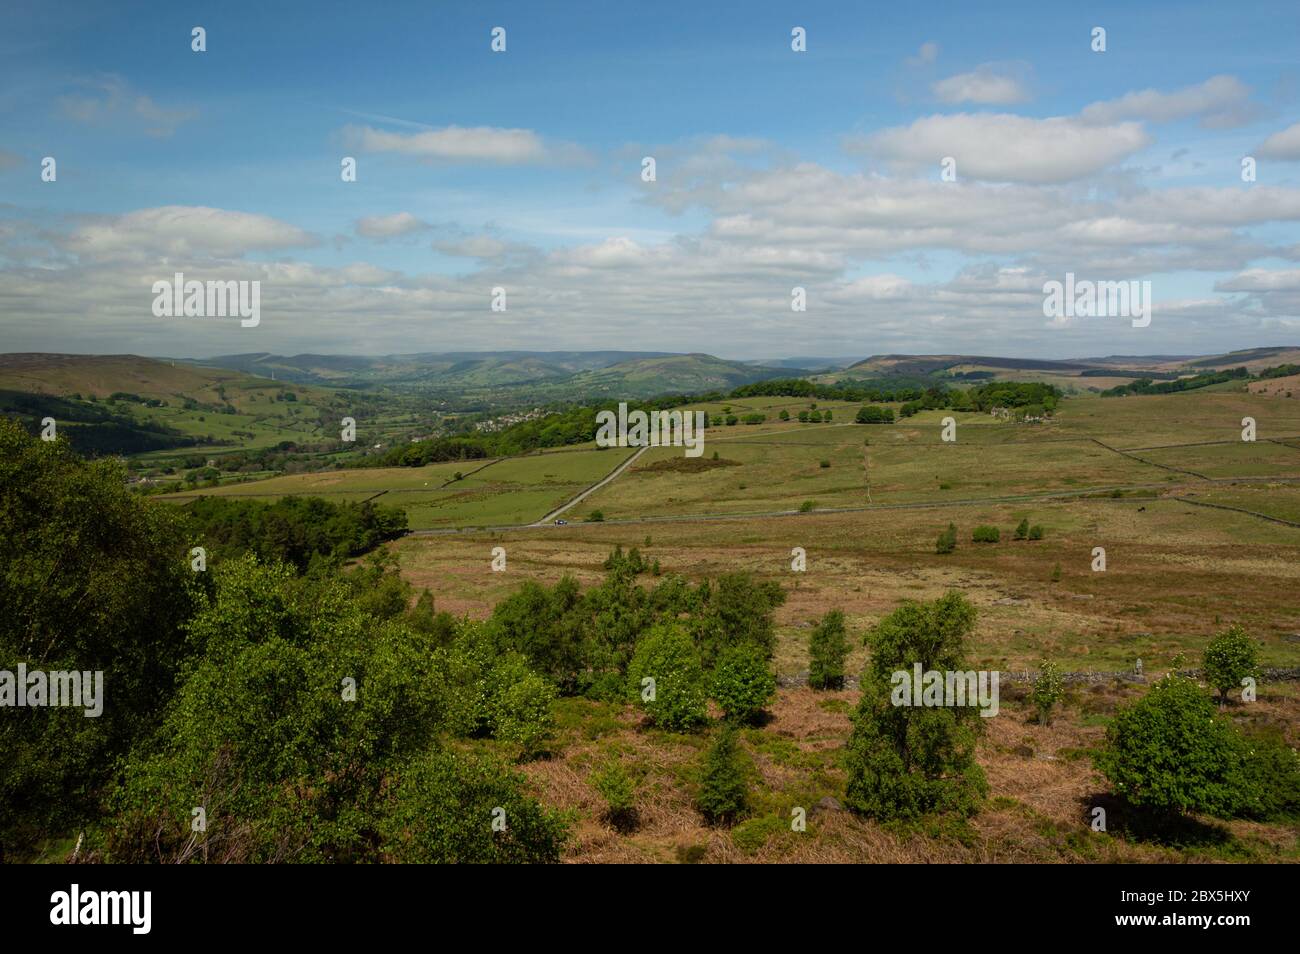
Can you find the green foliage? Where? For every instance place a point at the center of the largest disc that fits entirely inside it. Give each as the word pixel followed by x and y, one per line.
pixel 596 516
pixel 807 506
pixel 1230 657
pixel 91 579
pixel 444 810
pixel 737 610
pixel 1048 690
pixel 667 655
pixel 827 648
pixel 872 414
pixel 294 529
pixel 724 786
pixel 1036 532
pixel 1171 752
pixel 1056 573
pixel 985 534
pixel 743 684
pixel 907 761
pixel 618 790
pixel 947 541
pixel 1022 529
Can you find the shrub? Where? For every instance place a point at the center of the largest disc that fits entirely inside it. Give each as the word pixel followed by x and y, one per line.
pixel 947 541
pixel 827 647
pixel 1036 532
pixel 1056 573
pixel 596 516
pixel 825 463
pixel 723 794
pixel 1230 657
pixel 667 655
pixel 1171 752
pixel 807 506
pixel 784 415
pixel 1022 529
pixel 444 811
pixel 985 534
pixel 1048 689
pixel 618 790
pixel 743 684
pixel 908 761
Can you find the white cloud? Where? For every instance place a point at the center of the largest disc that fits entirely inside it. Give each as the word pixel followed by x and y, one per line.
pixel 1284 145
pixel 927 54
pixel 389 226
pixel 1006 148
pixel 986 85
pixel 178 230
pixel 1221 102
pixel 455 144
pixel 110 99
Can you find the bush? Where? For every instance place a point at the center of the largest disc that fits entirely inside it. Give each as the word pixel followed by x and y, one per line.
pixel 984 534
pixel 908 761
pixel 444 811
pixel 667 655
pixel 825 463
pixel 743 684
pixel 870 414
pixel 723 795
pixel 596 516
pixel 1022 529
pixel 1036 532
pixel 807 506
pixel 1171 752
pixel 1048 689
pixel 618 790
pixel 784 415
pixel 1230 657
pixel 827 647
pixel 947 541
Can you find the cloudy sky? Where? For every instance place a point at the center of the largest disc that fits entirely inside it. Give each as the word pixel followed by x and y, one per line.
pixel 522 170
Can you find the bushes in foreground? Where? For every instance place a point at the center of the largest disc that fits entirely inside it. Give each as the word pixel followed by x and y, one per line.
pixel 906 761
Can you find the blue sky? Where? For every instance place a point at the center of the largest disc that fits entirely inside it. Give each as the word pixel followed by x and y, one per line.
pixel 775 168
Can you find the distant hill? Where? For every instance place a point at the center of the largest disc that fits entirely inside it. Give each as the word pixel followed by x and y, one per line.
pixel 670 374
pixel 451 370
pixel 102 375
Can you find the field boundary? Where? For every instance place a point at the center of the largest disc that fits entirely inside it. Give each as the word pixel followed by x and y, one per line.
pixel 1253 513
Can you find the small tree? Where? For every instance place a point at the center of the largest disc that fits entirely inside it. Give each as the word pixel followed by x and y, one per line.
pixel 985 534
pixel 827 647
pixel 723 794
pixel 619 791
pixel 784 415
pixel 1171 753
pixel 676 697
pixel 1036 532
pixel 1048 689
pixel 905 761
pixel 742 682
pixel 1231 657
pixel 1022 529
pixel 947 541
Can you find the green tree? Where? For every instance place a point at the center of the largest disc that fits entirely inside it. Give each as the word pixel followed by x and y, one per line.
pixel 450 808
pixel 676 697
pixel 92 578
pixel 1022 529
pixel 827 649
pixel 1048 689
pixel 724 788
pixel 1230 657
pixel 743 683
pixel 947 541
pixel 906 761
pixel 1171 752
